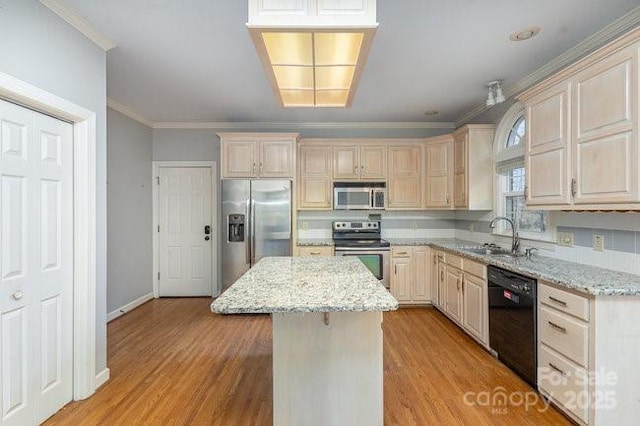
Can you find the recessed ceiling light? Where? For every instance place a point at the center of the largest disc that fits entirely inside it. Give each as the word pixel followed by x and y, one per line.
pixel 432 112
pixel 525 34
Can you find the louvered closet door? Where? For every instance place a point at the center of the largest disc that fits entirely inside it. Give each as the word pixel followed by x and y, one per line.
pixel 36 265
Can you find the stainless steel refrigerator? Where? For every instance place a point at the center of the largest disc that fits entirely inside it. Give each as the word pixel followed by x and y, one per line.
pixel 256 218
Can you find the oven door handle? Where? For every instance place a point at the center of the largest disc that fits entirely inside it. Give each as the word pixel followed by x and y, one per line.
pixel 362 250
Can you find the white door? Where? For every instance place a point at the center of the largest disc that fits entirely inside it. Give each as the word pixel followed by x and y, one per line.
pixel 184 247
pixel 36 265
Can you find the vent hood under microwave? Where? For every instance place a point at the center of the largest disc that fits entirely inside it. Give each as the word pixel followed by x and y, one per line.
pixel 359 195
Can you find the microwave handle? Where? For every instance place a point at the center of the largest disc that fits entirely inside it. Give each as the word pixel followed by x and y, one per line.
pixel 372 197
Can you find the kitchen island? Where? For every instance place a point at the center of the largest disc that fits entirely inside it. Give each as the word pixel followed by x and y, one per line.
pixel 327 336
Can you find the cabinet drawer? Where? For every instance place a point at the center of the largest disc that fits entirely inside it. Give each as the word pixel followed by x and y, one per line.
pixel 565 381
pixel 401 251
pixel 315 251
pixel 453 260
pixel 570 303
pixel 475 268
pixel 566 335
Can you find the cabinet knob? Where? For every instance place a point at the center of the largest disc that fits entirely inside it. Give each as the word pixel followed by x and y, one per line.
pixel 17 295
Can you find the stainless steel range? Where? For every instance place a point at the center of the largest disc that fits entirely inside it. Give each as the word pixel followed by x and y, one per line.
pixel 362 239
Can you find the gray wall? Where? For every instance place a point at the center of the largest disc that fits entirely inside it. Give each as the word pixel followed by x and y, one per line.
pixel 38 47
pixel 129 214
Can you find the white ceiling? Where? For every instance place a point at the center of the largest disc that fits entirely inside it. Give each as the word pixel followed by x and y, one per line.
pixel 193 60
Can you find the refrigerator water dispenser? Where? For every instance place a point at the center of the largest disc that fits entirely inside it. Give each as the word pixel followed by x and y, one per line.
pixel 236 228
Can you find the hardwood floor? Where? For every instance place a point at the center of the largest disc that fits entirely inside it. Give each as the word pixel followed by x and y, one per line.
pixel 173 362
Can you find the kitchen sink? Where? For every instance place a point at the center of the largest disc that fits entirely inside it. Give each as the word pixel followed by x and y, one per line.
pixel 489 251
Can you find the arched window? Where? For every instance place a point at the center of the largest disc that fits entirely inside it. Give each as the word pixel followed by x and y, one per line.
pixel 509 146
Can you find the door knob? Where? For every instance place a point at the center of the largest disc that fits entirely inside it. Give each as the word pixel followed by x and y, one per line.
pixel 17 295
pixel 207 238
pixel 207 229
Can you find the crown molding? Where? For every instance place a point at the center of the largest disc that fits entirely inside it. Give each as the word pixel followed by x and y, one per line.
pixel 117 106
pixel 65 11
pixel 304 125
pixel 618 27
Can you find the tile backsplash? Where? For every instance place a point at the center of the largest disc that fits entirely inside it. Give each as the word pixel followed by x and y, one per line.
pixel 621 232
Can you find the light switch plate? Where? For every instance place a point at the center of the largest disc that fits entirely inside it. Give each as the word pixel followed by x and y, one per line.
pixel 598 242
pixel 565 239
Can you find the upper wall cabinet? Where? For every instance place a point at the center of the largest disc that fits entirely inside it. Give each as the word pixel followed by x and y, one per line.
pixel 472 167
pixel 582 144
pixel 257 155
pixel 314 177
pixel 439 173
pixel 405 177
pixel 353 161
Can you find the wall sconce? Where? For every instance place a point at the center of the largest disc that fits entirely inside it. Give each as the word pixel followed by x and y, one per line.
pixel 495 95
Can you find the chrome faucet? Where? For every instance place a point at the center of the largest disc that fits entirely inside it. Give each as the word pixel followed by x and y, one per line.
pixel 515 240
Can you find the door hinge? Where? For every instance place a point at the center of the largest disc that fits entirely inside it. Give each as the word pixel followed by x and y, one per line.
pixel 158 179
pixel 158 276
pixel 158 228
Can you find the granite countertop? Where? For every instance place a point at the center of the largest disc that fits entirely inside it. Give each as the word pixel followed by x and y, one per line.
pixel 305 284
pixel 583 278
pixel 315 242
pixel 418 241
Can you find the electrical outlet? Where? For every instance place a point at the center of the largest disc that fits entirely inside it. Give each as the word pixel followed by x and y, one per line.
pixel 472 227
pixel 305 225
pixel 565 239
pixel 598 242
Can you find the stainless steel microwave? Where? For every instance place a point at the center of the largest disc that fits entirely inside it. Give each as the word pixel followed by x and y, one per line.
pixel 359 195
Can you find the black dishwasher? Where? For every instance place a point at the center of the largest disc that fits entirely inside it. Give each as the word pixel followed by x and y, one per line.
pixel 512 321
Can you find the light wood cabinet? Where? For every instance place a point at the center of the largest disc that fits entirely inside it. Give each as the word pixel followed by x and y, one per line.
pixel 439 172
pixel 401 278
pixel 474 292
pixel 411 274
pixel 364 162
pixel 547 151
pixel 563 348
pixel 255 155
pixel 462 295
pixel 405 176
pixel 314 178
pixel 435 277
pixel 582 133
pixel 588 354
pixel 453 298
pixel 314 250
pixel 472 167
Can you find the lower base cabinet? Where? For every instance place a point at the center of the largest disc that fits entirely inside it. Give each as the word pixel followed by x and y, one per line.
pixel 411 274
pixel 462 294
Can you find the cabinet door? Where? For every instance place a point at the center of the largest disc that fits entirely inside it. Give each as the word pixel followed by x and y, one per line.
pixel 460 170
pixel 314 193
pixel 276 159
pixel 373 162
pixel 239 158
pixel 401 278
pixel 547 157
pixel 435 277
pixel 345 162
pixel 453 284
pixel 422 274
pixel 475 306
pixel 405 189
pixel 439 174
pixel 605 123
pixel 314 184
pixel 442 284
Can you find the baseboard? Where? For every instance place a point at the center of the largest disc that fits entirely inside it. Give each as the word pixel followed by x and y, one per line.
pixel 128 307
pixel 102 377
